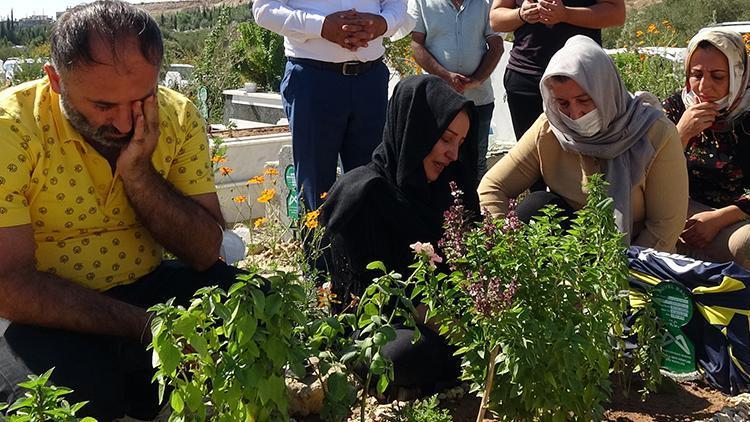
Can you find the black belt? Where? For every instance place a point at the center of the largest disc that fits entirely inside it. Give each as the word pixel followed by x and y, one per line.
pixel 346 68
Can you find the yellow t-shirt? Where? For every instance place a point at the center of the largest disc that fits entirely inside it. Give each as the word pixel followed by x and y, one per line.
pixel 84 227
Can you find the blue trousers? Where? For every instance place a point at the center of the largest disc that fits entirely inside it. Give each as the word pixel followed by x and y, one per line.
pixel 332 115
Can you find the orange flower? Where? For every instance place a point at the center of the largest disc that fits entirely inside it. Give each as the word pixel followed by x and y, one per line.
pixel 266 195
pixel 638 34
pixel 271 171
pixel 652 29
pixel 218 159
pixel 258 223
pixel 311 219
pixel 225 171
pixel 324 195
pixel 257 180
pixel 239 199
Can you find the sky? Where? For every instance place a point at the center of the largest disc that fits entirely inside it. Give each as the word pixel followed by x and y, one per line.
pixel 24 8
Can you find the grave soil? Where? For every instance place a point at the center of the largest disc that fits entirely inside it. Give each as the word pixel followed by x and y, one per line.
pixel 676 401
pixel 242 133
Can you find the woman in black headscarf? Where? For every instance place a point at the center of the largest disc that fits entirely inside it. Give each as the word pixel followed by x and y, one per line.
pixel 374 212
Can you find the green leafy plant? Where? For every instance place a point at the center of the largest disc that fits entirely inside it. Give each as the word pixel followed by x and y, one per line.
pixel 43 402
pixel 224 357
pixel 261 55
pixel 384 303
pixel 215 69
pixel 535 309
pixel 641 68
pixel 421 411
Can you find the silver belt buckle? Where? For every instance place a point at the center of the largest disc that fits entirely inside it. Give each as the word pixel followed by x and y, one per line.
pixel 345 67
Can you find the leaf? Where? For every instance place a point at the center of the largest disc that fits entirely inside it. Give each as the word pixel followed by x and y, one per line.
pixel 176 402
pixel 259 300
pixel 389 332
pixel 378 364
pixel 382 383
pixel 377 265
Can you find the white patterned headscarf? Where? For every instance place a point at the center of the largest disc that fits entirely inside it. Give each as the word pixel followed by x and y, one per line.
pixel 730 44
pixel 626 119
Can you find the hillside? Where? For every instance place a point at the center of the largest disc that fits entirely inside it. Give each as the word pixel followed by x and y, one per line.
pixel 184 5
pixel 156 8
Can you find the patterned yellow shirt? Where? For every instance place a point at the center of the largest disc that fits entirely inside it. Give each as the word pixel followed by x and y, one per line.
pixel 85 229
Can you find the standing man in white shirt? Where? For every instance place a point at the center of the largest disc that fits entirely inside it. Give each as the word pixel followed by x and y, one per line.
pixel 335 86
pixel 453 39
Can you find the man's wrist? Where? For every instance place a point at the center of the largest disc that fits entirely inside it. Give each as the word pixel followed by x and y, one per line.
pixel 384 25
pixel 136 174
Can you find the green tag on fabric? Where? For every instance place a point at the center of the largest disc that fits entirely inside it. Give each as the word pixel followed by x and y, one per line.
pixel 674 306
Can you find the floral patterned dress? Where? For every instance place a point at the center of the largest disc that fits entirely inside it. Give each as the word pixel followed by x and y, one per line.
pixel 718 162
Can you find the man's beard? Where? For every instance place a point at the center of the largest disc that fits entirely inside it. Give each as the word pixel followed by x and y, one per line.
pixel 106 136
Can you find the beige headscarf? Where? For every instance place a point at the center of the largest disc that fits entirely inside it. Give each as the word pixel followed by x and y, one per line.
pixel 730 44
pixel 626 119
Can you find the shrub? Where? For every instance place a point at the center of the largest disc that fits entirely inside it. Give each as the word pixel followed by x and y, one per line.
pixel 535 309
pixel 426 410
pixel 43 402
pixel 224 357
pixel 261 55
pixel 642 69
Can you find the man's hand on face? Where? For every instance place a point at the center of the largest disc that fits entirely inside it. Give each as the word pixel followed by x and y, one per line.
pixel 135 157
pixel 351 29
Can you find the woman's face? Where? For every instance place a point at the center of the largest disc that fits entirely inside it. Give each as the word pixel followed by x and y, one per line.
pixel 571 99
pixel 708 75
pixel 445 150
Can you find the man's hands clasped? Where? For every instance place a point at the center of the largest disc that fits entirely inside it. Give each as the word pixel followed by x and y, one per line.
pixel 353 30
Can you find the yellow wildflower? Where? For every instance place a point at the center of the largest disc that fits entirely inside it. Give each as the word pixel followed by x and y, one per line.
pixel 652 29
pixel 240 199
pixel 271 171
pixel 257 180
pixel 324 195
pixel 225 171
pixel 218 159
pixel 258 223
pixel 266 195
pixel 311 219
pixel 638 34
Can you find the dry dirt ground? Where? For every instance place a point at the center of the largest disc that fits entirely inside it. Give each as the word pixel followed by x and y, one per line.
pixel 684 401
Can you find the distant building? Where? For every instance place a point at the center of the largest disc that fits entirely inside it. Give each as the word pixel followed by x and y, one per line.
pixel 35 20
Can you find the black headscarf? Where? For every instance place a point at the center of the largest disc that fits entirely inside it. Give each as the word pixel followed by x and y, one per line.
pixel 375 211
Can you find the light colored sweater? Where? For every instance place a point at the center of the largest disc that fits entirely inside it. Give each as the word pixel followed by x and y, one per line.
pixel 659 200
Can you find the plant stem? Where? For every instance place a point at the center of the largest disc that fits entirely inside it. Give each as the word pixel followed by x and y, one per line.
pixel 364 397
pixel 488 384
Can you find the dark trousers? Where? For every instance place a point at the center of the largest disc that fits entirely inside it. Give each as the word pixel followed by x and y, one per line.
pixel 532 205
pixel 525 105
pixel 112 373
pixel 484 118
pixel 332 115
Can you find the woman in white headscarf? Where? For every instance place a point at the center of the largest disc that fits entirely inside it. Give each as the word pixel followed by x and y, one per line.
pixel 592 124
pixel 712 114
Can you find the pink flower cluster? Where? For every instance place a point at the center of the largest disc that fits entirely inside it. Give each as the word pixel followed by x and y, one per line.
pixel 428 251
pixel 491 296
pixel 454 223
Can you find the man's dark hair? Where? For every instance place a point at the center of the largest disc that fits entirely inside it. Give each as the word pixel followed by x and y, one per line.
pixel 111 21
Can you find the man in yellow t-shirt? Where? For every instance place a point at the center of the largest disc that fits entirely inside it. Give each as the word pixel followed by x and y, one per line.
pixel 99 170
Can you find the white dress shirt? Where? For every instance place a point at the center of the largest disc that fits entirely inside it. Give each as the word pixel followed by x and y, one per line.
pixel 301 22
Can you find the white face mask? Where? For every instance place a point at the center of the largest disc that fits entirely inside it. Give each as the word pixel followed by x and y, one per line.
pixel 587 125
pixel 723 103
pixel 691 98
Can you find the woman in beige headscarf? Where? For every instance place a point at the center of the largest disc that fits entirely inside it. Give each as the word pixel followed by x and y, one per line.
pixel 592 124
pixel 712 114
